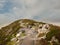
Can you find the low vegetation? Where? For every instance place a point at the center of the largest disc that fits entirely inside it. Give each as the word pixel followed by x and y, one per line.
pixel 10 31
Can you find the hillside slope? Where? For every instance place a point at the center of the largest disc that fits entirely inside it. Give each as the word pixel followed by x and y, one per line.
pixel 46 34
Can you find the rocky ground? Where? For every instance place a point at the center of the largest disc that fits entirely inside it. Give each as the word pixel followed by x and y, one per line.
pixel 29 32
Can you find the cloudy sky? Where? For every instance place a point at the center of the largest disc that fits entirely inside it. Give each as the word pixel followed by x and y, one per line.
pixel 42 10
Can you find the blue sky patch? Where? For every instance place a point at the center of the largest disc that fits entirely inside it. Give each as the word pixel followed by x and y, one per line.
pixel 6 8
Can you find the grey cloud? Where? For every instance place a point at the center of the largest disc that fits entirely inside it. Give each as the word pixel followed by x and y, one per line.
pixel 33 9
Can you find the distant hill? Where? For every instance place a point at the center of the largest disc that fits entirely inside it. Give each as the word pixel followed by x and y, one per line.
pixel 8 32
